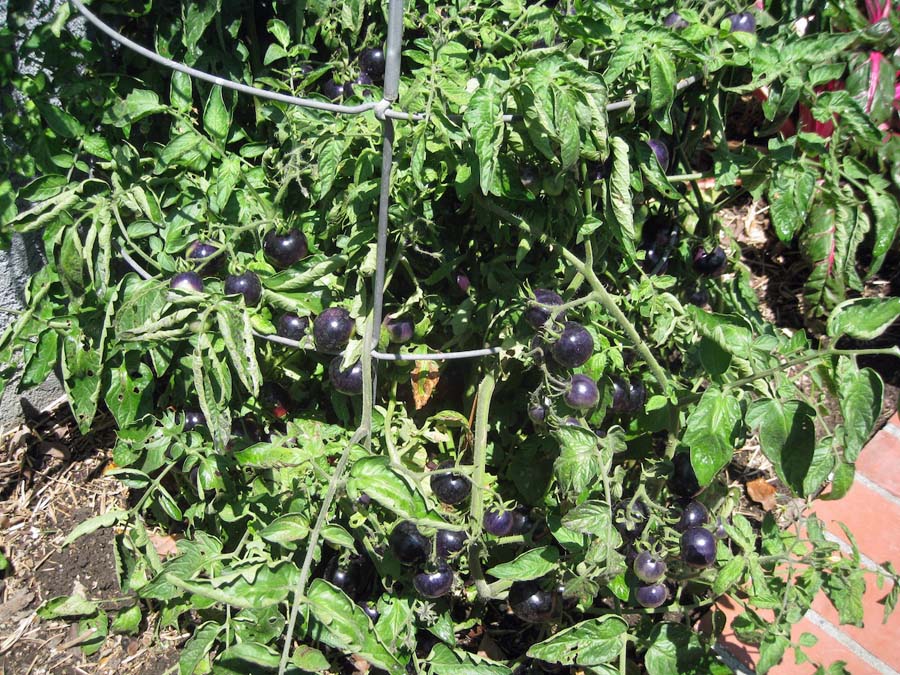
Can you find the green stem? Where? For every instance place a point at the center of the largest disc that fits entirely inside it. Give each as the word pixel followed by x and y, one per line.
pixel 609 304
pixel 476 509
pixel 699 175
pixel 603 296
pixel 300 588
pixel 806 358
pixel 388 431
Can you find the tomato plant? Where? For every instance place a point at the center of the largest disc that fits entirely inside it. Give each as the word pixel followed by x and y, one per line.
pixel 213 282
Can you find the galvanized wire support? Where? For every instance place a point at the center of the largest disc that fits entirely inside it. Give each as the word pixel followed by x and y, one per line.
pixel 385 113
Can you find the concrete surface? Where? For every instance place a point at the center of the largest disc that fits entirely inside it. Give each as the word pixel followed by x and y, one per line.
pixel 16 266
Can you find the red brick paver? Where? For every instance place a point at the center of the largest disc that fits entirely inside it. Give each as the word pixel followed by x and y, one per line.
pixel 871 510
pixel 880 461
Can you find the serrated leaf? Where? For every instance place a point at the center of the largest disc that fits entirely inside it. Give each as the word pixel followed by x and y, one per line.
pixel 787 437
pixel 729 574
pixel 374 477
pixel 861 393
pixel 579 461
pixel 712 432
pixel 94 523
pixel 589 643
pixel 863 318
pixel 483 119
pixel 532 564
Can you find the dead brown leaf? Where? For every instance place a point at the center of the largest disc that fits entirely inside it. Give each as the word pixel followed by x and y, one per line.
pixel 762 493
pixel 165 544
pixel 424 378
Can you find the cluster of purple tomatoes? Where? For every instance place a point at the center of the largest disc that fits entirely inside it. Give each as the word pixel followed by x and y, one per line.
pixel 331 329
pixel 697 542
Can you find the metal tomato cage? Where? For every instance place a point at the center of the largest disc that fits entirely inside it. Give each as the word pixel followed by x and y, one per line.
pixel 384 111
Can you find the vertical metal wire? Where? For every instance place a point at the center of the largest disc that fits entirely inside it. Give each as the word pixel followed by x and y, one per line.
pixel 391 91
pixel 392 50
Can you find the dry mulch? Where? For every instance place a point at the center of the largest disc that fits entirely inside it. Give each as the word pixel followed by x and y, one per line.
pixel 51 479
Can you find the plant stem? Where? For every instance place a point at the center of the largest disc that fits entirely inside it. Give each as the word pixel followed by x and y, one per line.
pixel 479 460
pixel 806 358
pixel 312 542
pixel 609 304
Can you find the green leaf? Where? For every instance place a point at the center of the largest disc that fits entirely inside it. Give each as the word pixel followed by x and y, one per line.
pixel 730 333
pixel 845 589
pixel 590 517
pixel 729 574
pixel 139 103
pixel 861 393
pixel 256 586
pixel 188 150
pixel 620 202
pixel 787 437
pixel 712 433
pixel 346 626
pixel 98 625
pixel 337 535
pixel 94 523
pixel 129 387
pixel 62 123
pixel 483 119
pixel 444 661
pixel 330 153
pixel 40 359
pixel 288 528
pixel 373 476
pixel 589 643
pixel 790 196
pixel 237 334
pixel 662 80
pixel 66 606
pixel 887 219
pixel 863 318
pixel 566 123
pixel 82 369
pixel 771 652
pixel 216 119
pixel 227 177
pixel 198 647
pixel 45 187
pixel 309 659
pixel 677 650
pixel 532 564
pixel 181 91
pixel 127 621
pixel 579 463
pixel 280 31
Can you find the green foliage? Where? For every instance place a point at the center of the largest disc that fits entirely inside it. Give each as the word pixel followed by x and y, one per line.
pixel 120 167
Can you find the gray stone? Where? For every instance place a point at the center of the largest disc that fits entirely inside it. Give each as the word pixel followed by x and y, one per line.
pixel 16 267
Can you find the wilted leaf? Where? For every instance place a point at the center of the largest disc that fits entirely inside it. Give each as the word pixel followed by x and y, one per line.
pixel 424 378
pixel 762 493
